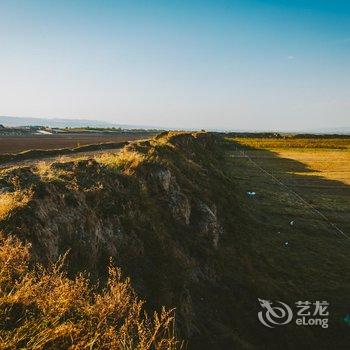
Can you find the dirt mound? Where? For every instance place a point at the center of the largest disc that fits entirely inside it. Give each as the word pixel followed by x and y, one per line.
pixel 169 215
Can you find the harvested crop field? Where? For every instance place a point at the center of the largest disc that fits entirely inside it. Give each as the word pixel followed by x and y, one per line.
pixel 16 144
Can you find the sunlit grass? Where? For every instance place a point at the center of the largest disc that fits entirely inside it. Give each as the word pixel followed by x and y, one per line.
pixel 306 143
pixel 44 309
pixel 123 160
pixel 332 165
pixel 10 201
pixel 329 158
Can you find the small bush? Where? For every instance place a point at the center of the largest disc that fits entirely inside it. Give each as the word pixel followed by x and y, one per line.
pixel 9 201
pixel 51 174
pixel 43 309
pixel 122 160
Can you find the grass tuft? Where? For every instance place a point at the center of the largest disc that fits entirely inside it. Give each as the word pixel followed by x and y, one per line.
pixel 9 201
pixel 44 309
pixel 125 159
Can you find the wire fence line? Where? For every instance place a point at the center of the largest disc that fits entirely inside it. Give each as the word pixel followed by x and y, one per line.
pixel 310 206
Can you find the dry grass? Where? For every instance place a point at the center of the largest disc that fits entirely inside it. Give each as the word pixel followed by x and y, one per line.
pixel 330 164
pixel 320 173
pixel 44 170
pixel 306 143
pixel 329 158
pixel 122 160
pixel 10 201
pixel 48 173
pixel 43 309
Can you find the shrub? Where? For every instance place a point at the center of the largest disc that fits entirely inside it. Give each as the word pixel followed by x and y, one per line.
pixel 10 201
pixel 41 308
pixel 123 160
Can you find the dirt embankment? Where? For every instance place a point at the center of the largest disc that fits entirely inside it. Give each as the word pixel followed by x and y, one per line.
pixel 169 215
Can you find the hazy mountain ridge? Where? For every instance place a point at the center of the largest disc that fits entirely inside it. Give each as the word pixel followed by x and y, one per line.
pixel 62 123
pixel 76 123
pixel 334 130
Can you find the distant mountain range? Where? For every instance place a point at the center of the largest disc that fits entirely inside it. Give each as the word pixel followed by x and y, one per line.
pixel 62 123
pixel 77 123
pixel 339 130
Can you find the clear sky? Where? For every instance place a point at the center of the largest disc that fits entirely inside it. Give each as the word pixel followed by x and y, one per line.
pixel 269 64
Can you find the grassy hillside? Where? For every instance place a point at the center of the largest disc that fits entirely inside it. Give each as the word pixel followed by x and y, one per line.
pixel 174 215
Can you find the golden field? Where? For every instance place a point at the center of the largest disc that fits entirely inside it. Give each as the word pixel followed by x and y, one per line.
pixel 318 170
pixel 329 158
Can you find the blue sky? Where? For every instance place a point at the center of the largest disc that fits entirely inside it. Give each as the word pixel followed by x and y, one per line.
pixel 253 65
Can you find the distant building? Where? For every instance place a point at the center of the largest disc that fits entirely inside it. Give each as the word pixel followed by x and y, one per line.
pixel 43 132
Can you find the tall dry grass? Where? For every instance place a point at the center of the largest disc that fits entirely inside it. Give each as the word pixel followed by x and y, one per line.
pixel 9 201
pixel 43 309
pixel 125 159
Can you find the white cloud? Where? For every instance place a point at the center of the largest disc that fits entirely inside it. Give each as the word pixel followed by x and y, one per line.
pixel 291 57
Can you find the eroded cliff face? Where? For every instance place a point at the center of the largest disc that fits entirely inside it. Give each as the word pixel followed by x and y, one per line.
pixel 156 219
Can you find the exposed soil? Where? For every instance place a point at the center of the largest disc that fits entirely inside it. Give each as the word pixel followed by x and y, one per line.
pixel 11 144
